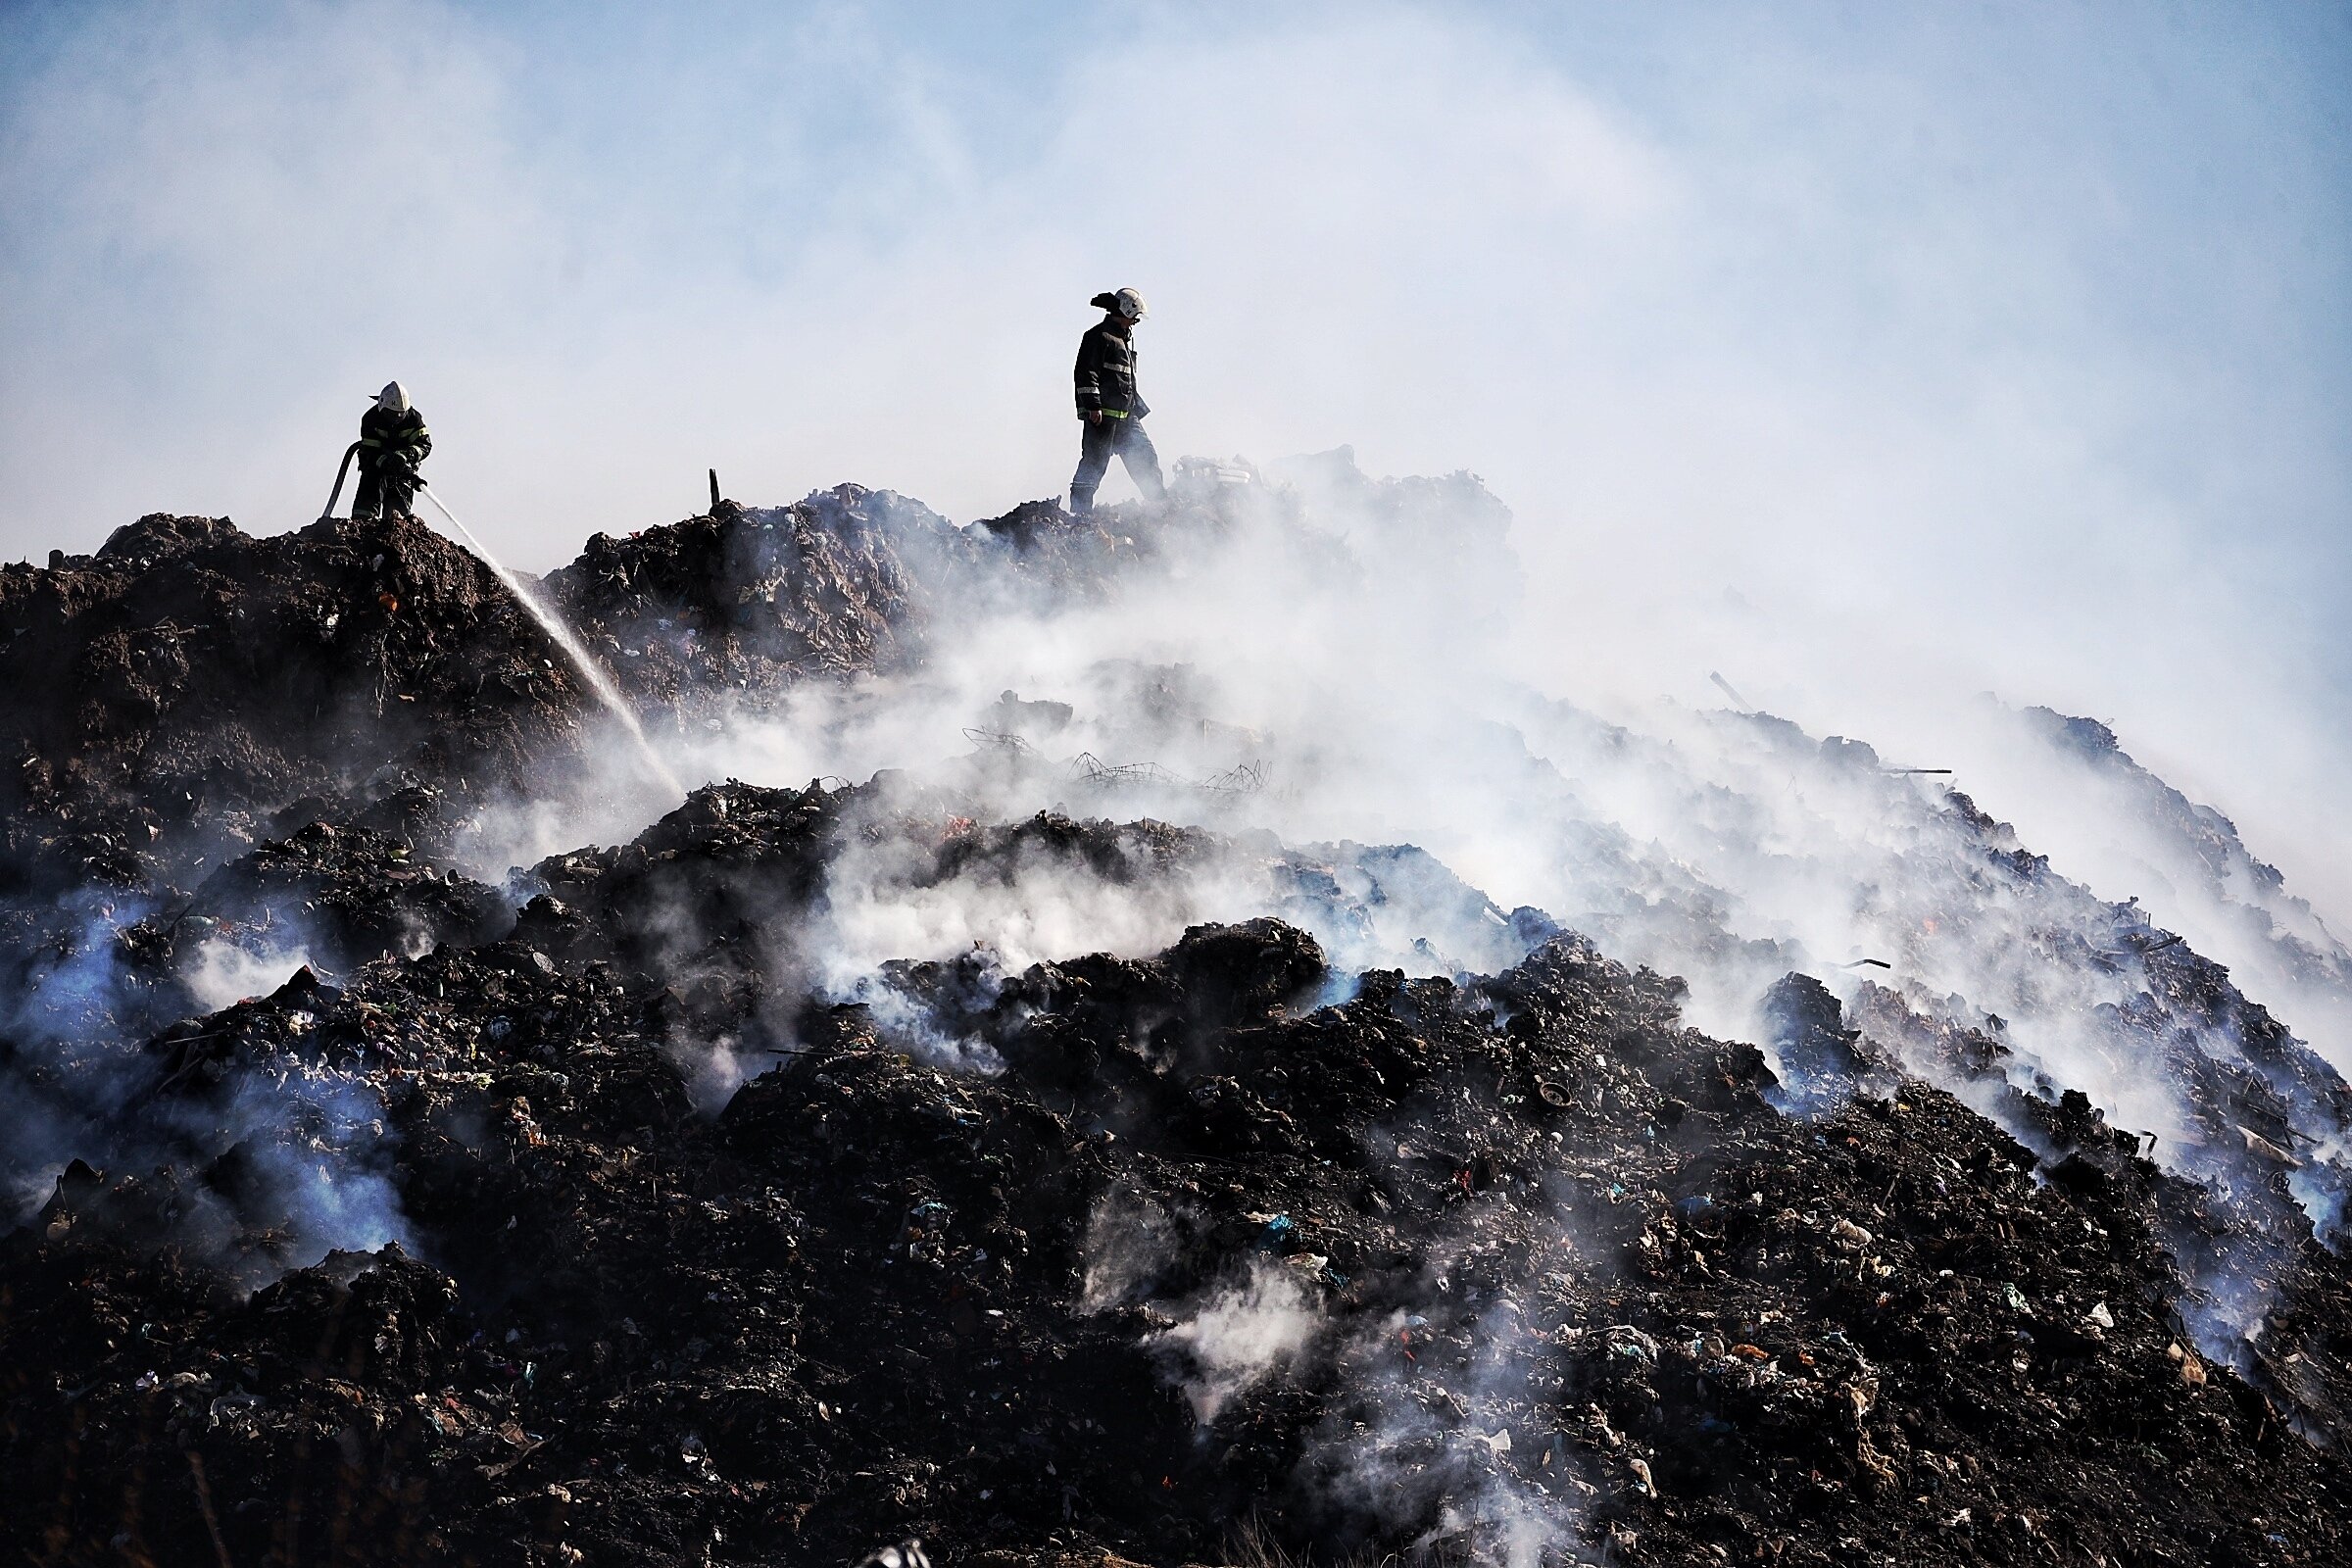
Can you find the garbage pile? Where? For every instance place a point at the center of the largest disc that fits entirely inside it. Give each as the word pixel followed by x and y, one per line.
pixel 1459 1266
pixel 648 1207
pixel 161 699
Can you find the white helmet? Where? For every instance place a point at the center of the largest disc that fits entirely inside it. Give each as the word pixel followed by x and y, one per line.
pixel 393 399
pixel 1130 304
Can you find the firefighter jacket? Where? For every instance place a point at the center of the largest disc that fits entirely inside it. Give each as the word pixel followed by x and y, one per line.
pixel 1106 372
pixel 393 440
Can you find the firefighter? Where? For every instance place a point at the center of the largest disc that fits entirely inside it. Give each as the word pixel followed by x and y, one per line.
pixel 1110 405
pixel 393 441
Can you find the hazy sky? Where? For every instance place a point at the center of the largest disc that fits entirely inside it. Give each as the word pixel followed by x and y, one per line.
pixel 1868 354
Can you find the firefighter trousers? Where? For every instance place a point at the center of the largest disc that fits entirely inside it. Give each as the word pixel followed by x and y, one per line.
pixel 386 490
pixel 1099 442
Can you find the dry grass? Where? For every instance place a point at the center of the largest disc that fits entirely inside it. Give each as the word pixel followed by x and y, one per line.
pixel 1254 1544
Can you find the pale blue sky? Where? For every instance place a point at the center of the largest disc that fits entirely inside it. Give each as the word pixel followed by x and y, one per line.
pixel 1988 346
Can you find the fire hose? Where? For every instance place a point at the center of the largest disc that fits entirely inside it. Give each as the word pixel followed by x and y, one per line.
pixel 341 474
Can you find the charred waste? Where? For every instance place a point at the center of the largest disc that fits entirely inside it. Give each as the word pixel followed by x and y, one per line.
pixel 1052 1134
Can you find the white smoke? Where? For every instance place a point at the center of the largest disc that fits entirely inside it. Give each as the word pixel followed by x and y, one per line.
pixel 1128 1243
pixel 1239 1334
pixel 1861 359
pixel 1345 644
pixel 223 973
pixel 308 1139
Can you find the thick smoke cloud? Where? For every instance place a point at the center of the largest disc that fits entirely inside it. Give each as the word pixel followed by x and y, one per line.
pixel 1872 360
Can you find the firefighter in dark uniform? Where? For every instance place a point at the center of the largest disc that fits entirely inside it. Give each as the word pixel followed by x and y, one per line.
pixel 393 441
pixel 1113 410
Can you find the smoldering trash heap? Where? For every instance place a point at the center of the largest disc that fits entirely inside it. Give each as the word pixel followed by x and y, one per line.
pixel 1058 1088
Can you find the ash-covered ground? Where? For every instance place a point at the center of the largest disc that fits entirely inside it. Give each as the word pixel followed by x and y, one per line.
pixel 1158 1042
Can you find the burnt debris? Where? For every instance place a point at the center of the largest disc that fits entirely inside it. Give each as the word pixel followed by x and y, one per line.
pixel 590 1217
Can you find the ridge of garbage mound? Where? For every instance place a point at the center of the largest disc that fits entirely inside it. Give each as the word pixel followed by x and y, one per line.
pixel 162 698
pixel 170 692
pixel 744 601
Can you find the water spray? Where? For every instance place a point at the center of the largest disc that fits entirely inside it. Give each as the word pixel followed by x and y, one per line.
pixel 554 625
